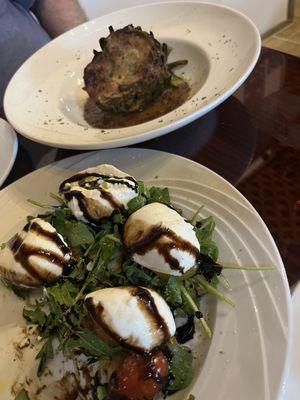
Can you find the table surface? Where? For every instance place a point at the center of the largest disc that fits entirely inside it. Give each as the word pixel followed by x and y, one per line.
pixel 252 140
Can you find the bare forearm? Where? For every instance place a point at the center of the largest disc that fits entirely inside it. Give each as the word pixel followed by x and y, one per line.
pixel 58 16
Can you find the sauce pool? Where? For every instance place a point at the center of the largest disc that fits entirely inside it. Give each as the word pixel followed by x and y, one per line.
pixel 171 98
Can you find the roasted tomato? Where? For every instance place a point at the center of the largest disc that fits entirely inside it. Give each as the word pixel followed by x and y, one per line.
pixel 140 377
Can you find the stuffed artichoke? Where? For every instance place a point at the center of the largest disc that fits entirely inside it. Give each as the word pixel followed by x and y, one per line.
pixel 129 72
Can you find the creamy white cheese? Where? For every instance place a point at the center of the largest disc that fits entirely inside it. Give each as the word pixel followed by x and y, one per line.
pixel 35 255
pixel 137 317
pixel 160 239
pixel 95 193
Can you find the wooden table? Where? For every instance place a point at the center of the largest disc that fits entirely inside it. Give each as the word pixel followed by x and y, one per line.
pixel 252 140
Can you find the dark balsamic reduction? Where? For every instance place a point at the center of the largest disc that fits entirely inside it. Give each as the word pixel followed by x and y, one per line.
pixel 186 332
pixel 81 176
pixel 52 236
pixel 147 301
pixel 151 371
pixel 152 241
pixel 208 267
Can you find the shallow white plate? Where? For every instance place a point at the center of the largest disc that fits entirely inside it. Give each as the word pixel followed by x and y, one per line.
pixel 44 100
pixel 246 358
pixel 8 149
pixel 292 384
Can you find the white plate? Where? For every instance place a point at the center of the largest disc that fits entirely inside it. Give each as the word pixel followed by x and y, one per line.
pixel 292 384
pixel 44 100
pixel 8 149
pixel 246 358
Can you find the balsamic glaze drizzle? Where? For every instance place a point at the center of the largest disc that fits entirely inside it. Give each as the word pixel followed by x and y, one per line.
pixel 146 301
pixel 23 251
pixel 152 241
pixel 81 176
pixel 186 332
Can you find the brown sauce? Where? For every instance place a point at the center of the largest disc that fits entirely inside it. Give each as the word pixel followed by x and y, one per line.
pixel 186 332
pixel 51 236
pixel 80 177
pixel 152 241
pixel 85 205
pixel 173 97
pixel 152 371
pixel 147 301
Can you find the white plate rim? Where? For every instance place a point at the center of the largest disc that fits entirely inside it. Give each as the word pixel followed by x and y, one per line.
pixel 152 134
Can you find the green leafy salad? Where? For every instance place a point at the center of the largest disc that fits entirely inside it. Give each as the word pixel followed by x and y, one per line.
pixel 121 262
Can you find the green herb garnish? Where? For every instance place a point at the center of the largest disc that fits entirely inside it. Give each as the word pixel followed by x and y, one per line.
pixel 180 366
pixel 22 395
pixel 102 393
pixel 17 290
pixel 191 397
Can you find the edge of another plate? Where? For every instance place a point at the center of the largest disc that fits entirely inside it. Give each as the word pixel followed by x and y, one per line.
pixel 6 128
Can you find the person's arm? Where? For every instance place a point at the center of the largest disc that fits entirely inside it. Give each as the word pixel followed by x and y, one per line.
pixel 58 16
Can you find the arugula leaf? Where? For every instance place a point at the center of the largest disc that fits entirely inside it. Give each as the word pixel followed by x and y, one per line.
pixel 55 323
pixel 46 353
pixel 36 316
pixel 59 221
pixel 139 276
pixel 191 302
pixel 118 219
pixel 102 393
pixel 22 395
pixel 203 282
pixel 157 194
pixel 180 367
pixel 110 247
pixel 40 204
pixel 172 292
pixel 204 230
pixel 54 307
pixel 136 203
pixel 177 80
pixel 142 188
pixel 180 313
pixel 78 234
pixel 18 291
pixel 209 268
pixel 64 293
pixel 59 199
pixel 91 343
pixel 77 315
pixel 210 249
